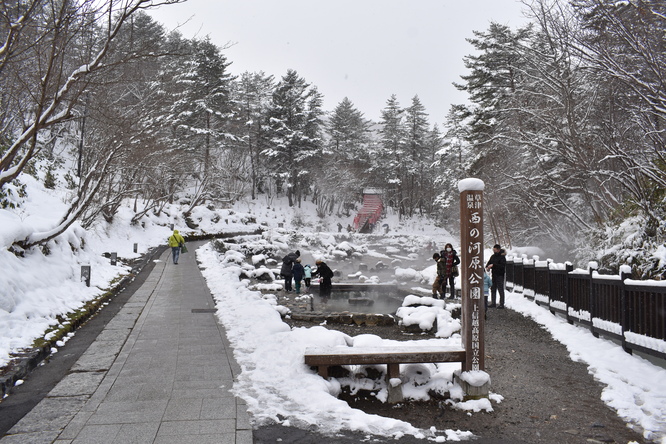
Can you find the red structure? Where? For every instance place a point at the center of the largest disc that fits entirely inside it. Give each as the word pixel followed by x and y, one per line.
pixel 370 213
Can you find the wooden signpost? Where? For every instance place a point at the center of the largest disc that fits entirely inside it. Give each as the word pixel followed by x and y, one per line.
pixel 471 272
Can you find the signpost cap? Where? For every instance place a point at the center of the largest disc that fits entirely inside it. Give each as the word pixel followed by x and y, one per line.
pixel 471 184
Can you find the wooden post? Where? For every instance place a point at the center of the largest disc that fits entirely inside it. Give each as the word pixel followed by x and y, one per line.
pixel 471 272
pixel 592 267
pixel 567 293
pixel 625 312
pixel 114 258
pixel 136 247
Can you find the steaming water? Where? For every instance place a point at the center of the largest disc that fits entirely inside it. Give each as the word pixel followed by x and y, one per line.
pixel 384 301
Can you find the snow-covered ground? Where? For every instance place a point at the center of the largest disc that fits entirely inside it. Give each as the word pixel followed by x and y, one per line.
pixel 278 387
pixel 37 288
pixel 46 283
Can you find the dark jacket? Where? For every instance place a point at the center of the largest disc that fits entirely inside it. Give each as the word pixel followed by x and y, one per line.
pixel 299 271
pixel 441 268
pixel 287 263
pixel 323 271
pixel 498 261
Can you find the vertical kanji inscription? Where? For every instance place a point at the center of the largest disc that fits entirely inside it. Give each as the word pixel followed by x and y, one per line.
pixel 471 272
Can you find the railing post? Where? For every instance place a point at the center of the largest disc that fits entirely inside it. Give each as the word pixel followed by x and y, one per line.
pixel 550 288
pixel 626 308
pixel 567 292
pixel 548 261
pixel 592 267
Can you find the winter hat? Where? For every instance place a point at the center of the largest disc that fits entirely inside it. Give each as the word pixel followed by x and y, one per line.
pixel 298 253
pixel 497 246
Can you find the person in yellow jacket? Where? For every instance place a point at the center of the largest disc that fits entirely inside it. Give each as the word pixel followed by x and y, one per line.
pixel 176 241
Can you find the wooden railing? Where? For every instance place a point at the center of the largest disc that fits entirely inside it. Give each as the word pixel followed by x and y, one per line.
pixel 630 311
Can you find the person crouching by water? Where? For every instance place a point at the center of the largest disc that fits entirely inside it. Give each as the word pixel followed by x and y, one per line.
pixel 299 273
pixel 325 273
pixel 176 241
pixel 287 264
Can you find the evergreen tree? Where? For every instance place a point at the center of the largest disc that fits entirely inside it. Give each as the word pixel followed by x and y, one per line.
pixel 453 161
pixel 295 124
pixel 203 105
pixel 389 165
pixel 418 164
pixel 252 96
pixel 495 76
pixel 346 157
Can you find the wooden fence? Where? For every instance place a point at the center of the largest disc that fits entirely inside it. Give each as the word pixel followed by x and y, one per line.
pixel 630 311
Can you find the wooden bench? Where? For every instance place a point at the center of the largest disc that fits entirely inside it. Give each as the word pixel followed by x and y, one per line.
pixel 393 356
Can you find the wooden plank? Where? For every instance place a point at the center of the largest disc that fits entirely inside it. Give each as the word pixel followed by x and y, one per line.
pixel 382 355
pixel 339 350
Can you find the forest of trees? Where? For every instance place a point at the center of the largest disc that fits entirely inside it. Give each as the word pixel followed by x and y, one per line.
pixel 564 123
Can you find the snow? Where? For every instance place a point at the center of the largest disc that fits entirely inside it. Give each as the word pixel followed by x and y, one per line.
pixel 471 184
pixel 475 378
pixel 277 386
pixel 632 385
pixel 298 396
pixel 46 283
pixel 263 343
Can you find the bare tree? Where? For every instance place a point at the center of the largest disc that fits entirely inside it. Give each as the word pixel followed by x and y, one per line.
pixel 50 53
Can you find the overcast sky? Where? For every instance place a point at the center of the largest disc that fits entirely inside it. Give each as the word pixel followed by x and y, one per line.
pixel 362 49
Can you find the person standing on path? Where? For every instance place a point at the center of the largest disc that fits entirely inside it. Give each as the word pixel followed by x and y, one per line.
pixel 451 261
pixel 437 292
pixel 497 264
pixel 286 272
pixel 176 241
pixel 298 272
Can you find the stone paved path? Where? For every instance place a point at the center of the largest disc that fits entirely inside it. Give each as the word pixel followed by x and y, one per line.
pixel 160 372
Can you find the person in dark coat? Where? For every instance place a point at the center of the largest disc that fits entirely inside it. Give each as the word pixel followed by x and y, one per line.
pixel 437 292
pixel 451 260
pixel 286 272
pixel 299 274
pixel 497 264
pixel 325 273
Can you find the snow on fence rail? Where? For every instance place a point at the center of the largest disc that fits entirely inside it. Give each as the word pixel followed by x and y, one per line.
pixel 630 311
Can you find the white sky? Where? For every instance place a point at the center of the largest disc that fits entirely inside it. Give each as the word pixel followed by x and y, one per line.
pixel 365 50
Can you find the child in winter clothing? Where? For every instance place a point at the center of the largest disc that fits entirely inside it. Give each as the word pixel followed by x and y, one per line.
pixel 298 272
pixel 487 283
pixel 441 276
pixel 307 270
